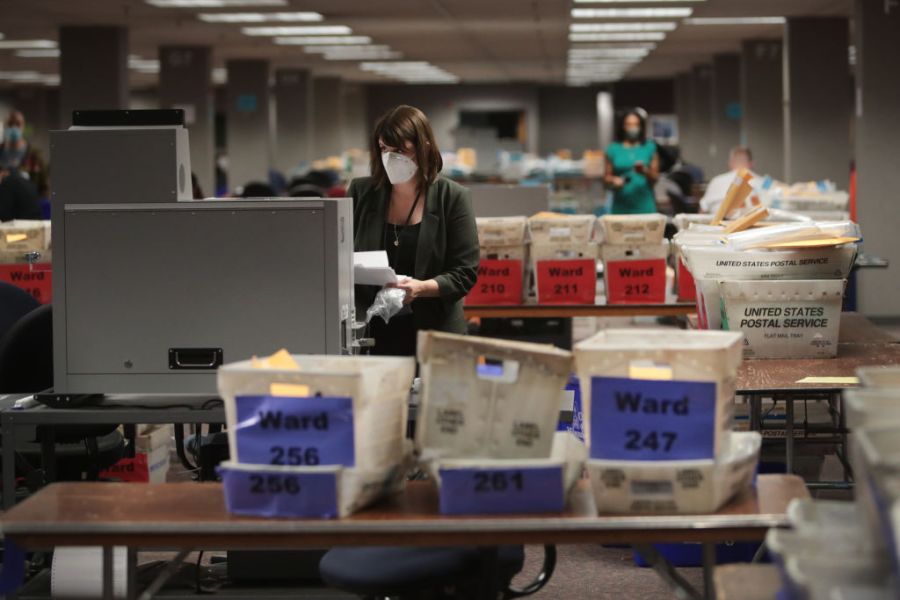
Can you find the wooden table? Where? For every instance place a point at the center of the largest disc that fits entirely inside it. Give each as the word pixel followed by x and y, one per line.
pixel 545 311
pixel 747 582
pixel 192 516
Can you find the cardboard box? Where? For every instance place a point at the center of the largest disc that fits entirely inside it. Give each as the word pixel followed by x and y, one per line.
pixel 502 276
pixel 633 229
pixel 501 231
pixel 784 319
pixel 564 272
pixel 24 236
pixel 488 398
pixel 546 228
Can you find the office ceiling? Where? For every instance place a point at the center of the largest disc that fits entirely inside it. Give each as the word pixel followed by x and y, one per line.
pixel 475 40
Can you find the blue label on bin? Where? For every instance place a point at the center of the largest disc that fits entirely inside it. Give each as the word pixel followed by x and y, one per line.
pixel 501 491
pixel 273 430
pixel 637 419
pixel 272 494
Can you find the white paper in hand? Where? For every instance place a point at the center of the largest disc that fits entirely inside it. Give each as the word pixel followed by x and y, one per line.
pixel 372 268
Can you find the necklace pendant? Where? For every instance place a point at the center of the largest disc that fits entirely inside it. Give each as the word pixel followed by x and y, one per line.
pixel 396 242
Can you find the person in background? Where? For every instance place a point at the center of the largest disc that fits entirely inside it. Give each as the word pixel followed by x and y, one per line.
pixel 425 223
pixel 18 198
pixel 740 157
pixel 18 156
pixel 632 166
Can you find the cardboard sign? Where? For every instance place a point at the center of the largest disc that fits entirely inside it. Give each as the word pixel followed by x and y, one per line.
pixel 501 491
pixel 567 281
pixel 641 419
pixel 687 291
pixel 636 281
pixel 295 432
pixel 499 282
pixel 34 279
pixel 273 493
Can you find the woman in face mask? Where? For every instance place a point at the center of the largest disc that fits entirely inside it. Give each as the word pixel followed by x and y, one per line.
pixel 425 224
pixel 632 166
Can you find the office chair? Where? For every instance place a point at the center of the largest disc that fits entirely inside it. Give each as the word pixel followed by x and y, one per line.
pixel 14 304
pixel 26 366
pixel 429 572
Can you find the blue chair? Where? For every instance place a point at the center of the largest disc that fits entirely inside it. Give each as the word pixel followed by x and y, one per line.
pixel 432 572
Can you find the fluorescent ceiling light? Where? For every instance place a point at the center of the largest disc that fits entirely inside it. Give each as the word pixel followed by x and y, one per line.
pixel 410 71
pixel 606 27
pixel 633 1
pixel 26 44
pixel 355 40
pixel 347 49
pixel 638 36
pixel 611 52
pixel 736 21
pixel 39 53
pixel 301 30
pixel 631 13
pixel 29 77
pixel 143 65
pixel 220 75
pixel 616 46
pixel 285 17
pixel 383 55
pixel 213 3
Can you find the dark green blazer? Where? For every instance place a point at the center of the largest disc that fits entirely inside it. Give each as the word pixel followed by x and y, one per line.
pixel 447 250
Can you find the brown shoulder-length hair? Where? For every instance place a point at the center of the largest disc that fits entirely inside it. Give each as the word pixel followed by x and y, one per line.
pixel 398 126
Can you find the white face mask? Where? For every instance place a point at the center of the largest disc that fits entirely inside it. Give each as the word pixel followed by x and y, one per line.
pixel 400 168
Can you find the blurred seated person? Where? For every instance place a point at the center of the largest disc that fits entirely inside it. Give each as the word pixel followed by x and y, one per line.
pixel 18 197
pixel 17 155
pixel 740 157
pixel 257 189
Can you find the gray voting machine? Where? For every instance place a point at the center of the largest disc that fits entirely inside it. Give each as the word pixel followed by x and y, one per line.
pixel 153 291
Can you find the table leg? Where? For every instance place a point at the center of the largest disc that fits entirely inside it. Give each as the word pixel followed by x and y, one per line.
pixel 488 587
pixel 107 566
pixel 131 573
pixel 789 434
pixel 845 445
pixel 9 461
pixel 755 412
pixel 680 586
pixel 709 568
pixel 48 454
pixel 170 569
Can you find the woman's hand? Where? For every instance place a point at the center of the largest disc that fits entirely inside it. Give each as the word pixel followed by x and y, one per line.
pixel 415 289
pixel 617 182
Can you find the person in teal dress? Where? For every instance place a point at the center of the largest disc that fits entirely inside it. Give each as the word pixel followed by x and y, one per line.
pixel 632 167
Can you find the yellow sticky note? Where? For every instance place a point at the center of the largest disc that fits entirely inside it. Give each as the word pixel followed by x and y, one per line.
pixel 12 238
pixel 283 360
pixel 290 390
pixel 832 380
pixel 649 370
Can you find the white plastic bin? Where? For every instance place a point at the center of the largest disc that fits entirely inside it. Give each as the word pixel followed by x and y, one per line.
pixel 784 319
pixel 698 486
pixel 633 229
pixel 813 576
pixel 568 455
pixel 565 272
pixel 488 398
pixel 635 274
pixel 879 377
pixel 501 231
pixel 674 355
pixel 378 386
pixel 554 228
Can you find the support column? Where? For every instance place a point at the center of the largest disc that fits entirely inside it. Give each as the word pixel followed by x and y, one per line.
pixel 701 120
pixel 762 125
pixel 248 127
pixel 876 28
pixel 328 108
pixel 356 126
pixel 817 99
pixel 293 119
pixel 683 111
pixel 185 81
pixel 93 68
pixel 727 109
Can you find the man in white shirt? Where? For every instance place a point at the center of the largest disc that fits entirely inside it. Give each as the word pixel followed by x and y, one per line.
pixel 740 157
